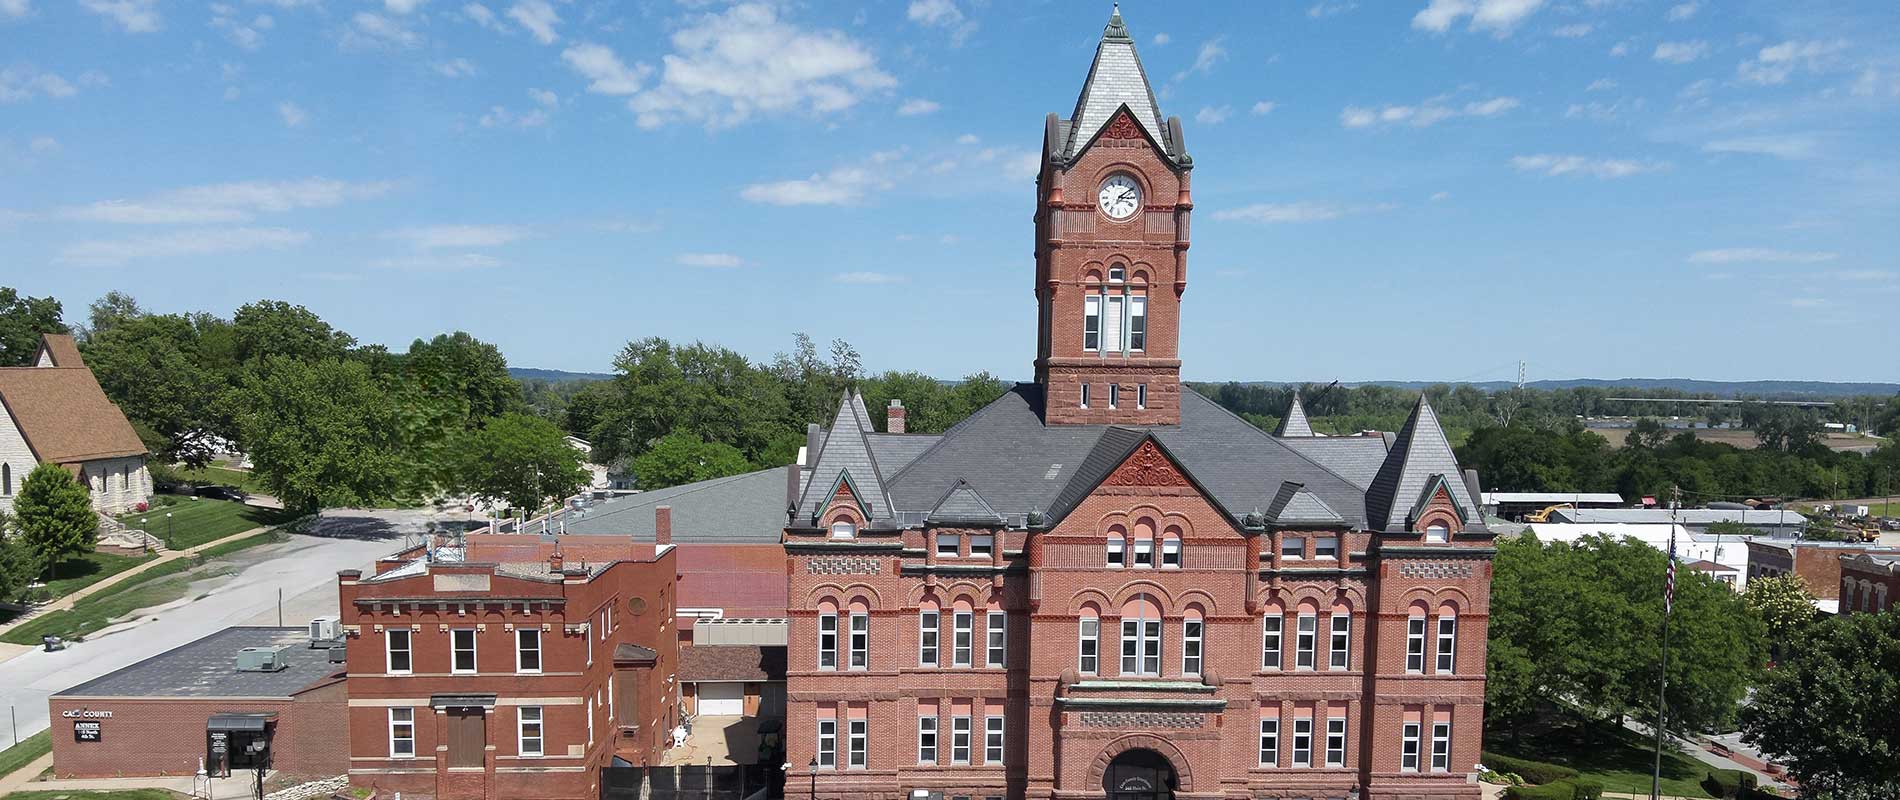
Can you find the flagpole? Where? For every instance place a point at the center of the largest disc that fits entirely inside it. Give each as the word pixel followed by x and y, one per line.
pixel 1669 602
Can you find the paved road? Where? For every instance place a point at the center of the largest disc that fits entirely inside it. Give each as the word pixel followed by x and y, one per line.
pixel 303 568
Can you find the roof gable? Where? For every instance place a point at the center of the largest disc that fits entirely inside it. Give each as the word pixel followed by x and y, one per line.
pixel 64 416
pixel 1294 505
pixel 1418 453
pixel 1116 80
pixel 1294 424
pixel 58 350
pixel 961 505
pixel 846 449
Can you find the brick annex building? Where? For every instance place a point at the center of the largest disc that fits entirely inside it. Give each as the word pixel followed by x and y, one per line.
pixel 1101 585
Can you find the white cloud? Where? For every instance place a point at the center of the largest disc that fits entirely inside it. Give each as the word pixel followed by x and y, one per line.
pixel 455 68
pixel 1864 275
pixel 1573 31
pixel 246 35
pixel 1620 49
pixel 1680 52
pixel 1213 115
pixel 968 138
pixel 1431 112
pixel 1678 13
pixel 26 83
pixel 1583 165
pixel 442 237
pixel 402 6
pixel 199 242
pixel 481 15
pixel 1807 302
pixel 917 107
pixel 1263 108
pixel 1600 85
pixel 1760 255
pixel 226 202
pixel 15 8
pixel 1209 56
pixel 546 98
pixel 431 262
pixel 1439 197
pixel 1774 64
pixel 867 278
pixel 1330 8
pixel 538 17
pixel 294 115
pixel 941 14
pixel 840 186
pixel 501 117
pixel 1293 212
pixel 1498 16
pixel 135 16
pixel 43 145
pixel 728 67
pixel 709 260
pixel 1786 146
pixel 605 71
pixel 1162 39
pixel 368 30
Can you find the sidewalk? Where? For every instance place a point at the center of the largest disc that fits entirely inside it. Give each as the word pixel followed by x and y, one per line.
pixel 67 602
pixel 239 785
pixel 14 782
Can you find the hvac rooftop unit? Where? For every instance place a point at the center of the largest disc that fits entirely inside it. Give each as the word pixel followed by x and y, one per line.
pixel 261 659
pixel 325 631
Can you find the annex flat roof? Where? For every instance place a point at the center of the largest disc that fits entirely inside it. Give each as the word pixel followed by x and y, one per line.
pixel 1552 498
pixel 208 668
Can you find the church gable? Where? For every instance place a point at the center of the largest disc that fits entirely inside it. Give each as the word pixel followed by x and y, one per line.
pixel 1147 466
pixel 1123 132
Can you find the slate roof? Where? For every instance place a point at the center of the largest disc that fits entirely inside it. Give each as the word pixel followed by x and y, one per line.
pixel 62 412
pixel 1116 78
pixel 1294 423
pixel 963 506
pixel 846 455
pixel 1419 454
pixel 1355 458
pixel 736 509
pixel 208 668
pixel 895 451
pixel 1296 506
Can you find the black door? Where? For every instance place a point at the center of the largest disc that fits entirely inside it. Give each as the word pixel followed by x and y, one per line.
pixel 1139 775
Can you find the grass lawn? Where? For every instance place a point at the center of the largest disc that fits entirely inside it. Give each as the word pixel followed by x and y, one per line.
pixel 122 794
pixel 1620 758
pixel 156 586
pixel 222 476
pixel 80 572
pixel 253 540
pixel 22 754
pixel 196 521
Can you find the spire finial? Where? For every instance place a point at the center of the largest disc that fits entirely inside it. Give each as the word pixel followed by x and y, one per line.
pixel 1115 29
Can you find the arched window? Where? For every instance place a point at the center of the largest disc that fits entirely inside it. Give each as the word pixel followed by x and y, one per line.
pixel 1191 636
pixel 1437 533
pixel 1171 548
pixel 1445 641
pixel 929 625
pixel 1141 636
pixel 1144 544
pixel 844 529
pixel 1415 639
pixel 6 479
pixel 1089 641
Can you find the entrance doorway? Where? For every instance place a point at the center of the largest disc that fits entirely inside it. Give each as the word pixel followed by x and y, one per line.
pixel 1139 774
pixel 468 736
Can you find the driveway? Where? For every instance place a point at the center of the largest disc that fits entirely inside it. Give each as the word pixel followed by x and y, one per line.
pixel 304 569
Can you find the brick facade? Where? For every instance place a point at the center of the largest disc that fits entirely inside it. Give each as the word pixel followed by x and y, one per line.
pixel 166 735
pixel 1869 583
pixel 1818 563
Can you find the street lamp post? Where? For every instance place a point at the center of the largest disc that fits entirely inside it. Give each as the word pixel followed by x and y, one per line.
pixel 170 534
pixel 145 541
pixel 814 777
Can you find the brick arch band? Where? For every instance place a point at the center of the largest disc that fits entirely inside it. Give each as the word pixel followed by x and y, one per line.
pixel 1183 772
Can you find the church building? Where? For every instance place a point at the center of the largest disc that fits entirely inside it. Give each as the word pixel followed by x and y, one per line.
pixel 1103 585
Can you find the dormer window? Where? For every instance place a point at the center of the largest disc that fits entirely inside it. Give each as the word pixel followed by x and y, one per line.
pixel 1437 534
pixel 844 529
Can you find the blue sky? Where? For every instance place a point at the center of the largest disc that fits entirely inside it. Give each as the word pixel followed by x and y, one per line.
pixel 1427 189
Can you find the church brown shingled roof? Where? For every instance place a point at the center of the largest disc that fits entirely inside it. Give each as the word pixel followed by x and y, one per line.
pixel 65 351
pixel 62 412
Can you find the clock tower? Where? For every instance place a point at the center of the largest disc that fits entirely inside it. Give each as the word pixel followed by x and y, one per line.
pixel 1112 209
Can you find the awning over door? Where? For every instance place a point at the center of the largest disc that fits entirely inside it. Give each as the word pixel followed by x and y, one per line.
pixel 472 700
pixel 238 722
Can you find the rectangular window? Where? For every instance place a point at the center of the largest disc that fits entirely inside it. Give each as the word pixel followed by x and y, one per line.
pixel 949 545
pixel 1151 647
pixel 1437 534
pixel 827 641
pixel 1112 339
pixel 590 721
pixel 960 740
pixel 1141 395
pixel 527 650
pixel 1303 641
pixel 1090 656
pixel 402 733
pixel 927 639
pixel 1144 552
pixel 1115 555
pixel 1335 741
pixel 1415 644
pixel 982 545
pixel 530 730
pixel 1114 395
pixel 996 635
pixel 1408 750
pixel 1085 395
pixel 926 740
pixel 1325 547
pixel 1303 742
pixel 992 740
pixel 1292 547
pixel 1091 324
pixel 860 640
pixel 859 734
pixel 462 642
pixel 1441 747
pixel 1191 647
pixel 960 641
pixel 1171 553
pixel 1342 641
pixel 827 742
pixel 1137 323
pixel 1447 643
pixel 1270 641
pixel 1270 742
pixel 397 640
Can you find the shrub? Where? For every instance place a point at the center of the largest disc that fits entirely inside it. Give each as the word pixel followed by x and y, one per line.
pixel 1537 772
pixel 1586 788
pixel 1566 789
pixel 1729 783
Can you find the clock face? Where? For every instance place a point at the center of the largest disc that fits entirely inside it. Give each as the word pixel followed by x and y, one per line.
pixel 1120 196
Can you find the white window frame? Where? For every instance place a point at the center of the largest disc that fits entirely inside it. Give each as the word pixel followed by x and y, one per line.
pixel 1415 645
pixel 926 739
pixel 1272 641
pixel 1117 553
pixel 1088 656
pixel 1408 747
pixel 1091 326
pixel 1299 547
pixel 1085 395
pixel 962 638
pixel 993 740
pixel 844 529
pixel 828 742
pixel 1326 547
pixel 1144 554
pixel 1305 640
pixel 1339 630
pixel 960 740
pixel 859 731
pixel 522 722
pixel 996 638
pixel 522 635
pixel 1171 553
pixel 1141 646
pixel 1446 658
pixel 400 718
pixel 1270 742
pixel 1115 308
pixel 1437 534
pixel 860 640
pixel 408 651
pixel 929 638
pixel 982 544
pixel 828 641
pixel 1192 632
pixel 1141 395
pixel 1335 741
pixel 1441 747
pixel 590 722
pixel 1137 332
pixel 954 550
pixel 1114 395
pixel 1302 741
pixel 456 650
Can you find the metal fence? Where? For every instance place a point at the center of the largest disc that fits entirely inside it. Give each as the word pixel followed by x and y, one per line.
pixel 691 782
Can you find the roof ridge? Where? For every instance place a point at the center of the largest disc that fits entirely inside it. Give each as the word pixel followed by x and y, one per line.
pixel 1276 442
pixel 943 439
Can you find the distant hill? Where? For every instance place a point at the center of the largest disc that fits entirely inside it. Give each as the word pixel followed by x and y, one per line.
pixel 530 373
pixel 1770 390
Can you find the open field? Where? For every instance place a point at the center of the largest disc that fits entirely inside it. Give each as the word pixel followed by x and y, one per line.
pixel 195 521
pixel 1745 439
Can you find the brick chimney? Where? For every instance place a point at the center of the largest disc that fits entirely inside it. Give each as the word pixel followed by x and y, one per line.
pixel 662 525
pixel 894 417
pixel 556 561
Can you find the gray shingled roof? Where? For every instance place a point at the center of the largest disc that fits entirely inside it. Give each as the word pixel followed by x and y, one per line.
pixel 1296 506
pixel 207 667
pixel 1355 458
pixel 1116 78
pixel 1419 454
pixel 963 506
pixel 737 509
pixel 895 451
pixel 846 456
pixel 1294 424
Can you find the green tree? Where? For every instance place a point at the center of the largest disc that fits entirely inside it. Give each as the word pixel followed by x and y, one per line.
pixel 684 458
pixel 20 565
pixel 323 433
pixel 54 514
pixel 516 458
pixel 1782 603
pixel 153 367
pixel 467 370
pixel 707 391
pixel 1827 711
pixel 274 328
pixel 110 310
pixel 587 407
pixel 22 320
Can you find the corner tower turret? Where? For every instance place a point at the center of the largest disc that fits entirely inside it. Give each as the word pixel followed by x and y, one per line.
pixel 1112 209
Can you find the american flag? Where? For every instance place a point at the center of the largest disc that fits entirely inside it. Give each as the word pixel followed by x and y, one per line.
pixel 1669 584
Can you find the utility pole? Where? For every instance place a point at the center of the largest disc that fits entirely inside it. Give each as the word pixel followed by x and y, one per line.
pixel 1669 602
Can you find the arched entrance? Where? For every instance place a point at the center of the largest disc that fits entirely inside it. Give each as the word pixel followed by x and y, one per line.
pixel 1139 774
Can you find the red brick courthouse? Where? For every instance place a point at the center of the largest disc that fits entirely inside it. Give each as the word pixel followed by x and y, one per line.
pixel 1103 586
